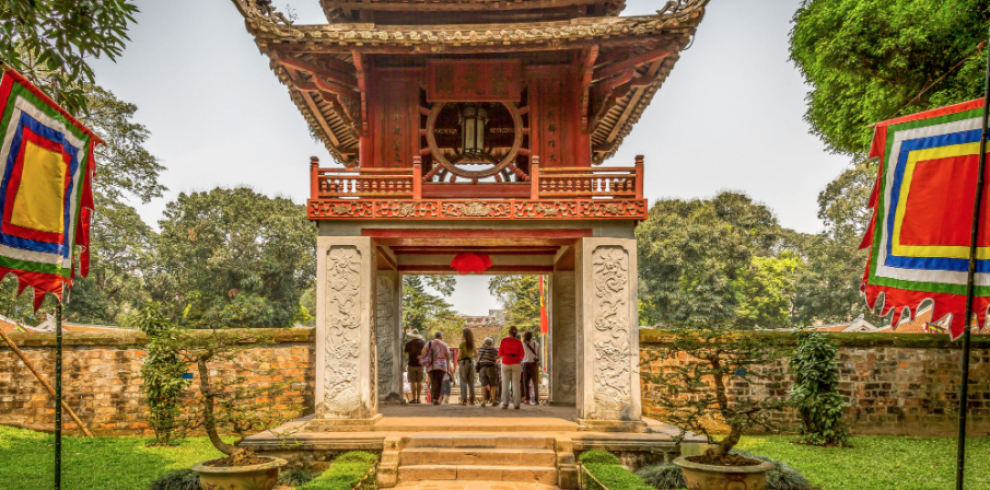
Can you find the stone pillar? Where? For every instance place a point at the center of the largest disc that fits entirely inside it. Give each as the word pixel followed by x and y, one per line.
pixel 346 350
pixel 388 319
pixel 608 397
pixel 563 340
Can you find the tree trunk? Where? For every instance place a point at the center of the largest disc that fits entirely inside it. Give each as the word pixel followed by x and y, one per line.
pixel 728 443
pixel 209 422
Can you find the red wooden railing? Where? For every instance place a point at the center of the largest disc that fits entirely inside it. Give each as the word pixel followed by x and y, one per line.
pixel 544 184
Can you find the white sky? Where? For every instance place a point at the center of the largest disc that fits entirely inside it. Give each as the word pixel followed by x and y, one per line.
pixel 728 117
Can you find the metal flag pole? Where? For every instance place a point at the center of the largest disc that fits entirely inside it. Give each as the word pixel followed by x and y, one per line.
pixel 971 273
pixel 58 394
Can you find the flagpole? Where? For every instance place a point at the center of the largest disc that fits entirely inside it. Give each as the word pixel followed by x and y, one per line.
pixel 971 273
pixel 58 394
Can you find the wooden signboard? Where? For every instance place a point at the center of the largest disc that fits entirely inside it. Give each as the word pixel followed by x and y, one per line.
pixel 474 80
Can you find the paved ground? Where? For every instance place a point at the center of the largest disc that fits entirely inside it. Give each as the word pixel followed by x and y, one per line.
pixel 471 485
pixel 456 410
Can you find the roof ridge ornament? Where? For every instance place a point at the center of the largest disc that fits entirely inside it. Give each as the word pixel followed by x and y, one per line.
pixel 679 8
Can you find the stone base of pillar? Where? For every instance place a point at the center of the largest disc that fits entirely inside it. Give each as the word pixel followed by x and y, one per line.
pixel 342 425
pixel 588 425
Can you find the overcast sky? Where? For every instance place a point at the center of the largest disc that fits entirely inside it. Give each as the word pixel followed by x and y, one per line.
pixel 728 117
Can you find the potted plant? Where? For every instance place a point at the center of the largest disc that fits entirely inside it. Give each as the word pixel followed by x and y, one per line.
pixel 699 371
pixel 225 405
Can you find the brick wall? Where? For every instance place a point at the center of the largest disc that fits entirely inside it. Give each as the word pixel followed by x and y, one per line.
pixel 899 384
pixel 102 378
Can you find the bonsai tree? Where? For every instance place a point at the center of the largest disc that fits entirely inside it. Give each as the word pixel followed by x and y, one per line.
pixel 815 390
pixel 225 405
pixel 700 379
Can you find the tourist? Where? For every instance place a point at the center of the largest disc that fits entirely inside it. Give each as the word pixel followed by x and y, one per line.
pixel 531 369
pixel 413 348
pixel 445 389
pixel 465 366
pixel 487 372
pixel 511 352
pixel 406 389
pixel 439 364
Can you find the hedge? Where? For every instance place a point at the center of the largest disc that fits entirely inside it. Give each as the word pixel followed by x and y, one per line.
pixel 347 470
pixel 604 466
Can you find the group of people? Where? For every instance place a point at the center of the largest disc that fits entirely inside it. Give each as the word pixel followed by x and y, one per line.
pixel 513 368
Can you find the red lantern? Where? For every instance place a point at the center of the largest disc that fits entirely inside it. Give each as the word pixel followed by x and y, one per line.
pixel 471 263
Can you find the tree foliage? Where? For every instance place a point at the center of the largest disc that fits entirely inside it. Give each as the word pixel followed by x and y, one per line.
pixel 50 41
pixel 520 299
pixel 698 262
pixel 426 311
pixel 234 257
pixel 871 60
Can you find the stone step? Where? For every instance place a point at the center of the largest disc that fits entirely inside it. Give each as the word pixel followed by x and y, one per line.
pixel 545 458
pixel 526 474
pixel 479 442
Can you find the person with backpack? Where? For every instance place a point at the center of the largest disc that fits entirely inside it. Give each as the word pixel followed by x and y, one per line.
pixel 530 369
pixel 487 372
pixel 436 358
pixel 511 352
pixel 413 349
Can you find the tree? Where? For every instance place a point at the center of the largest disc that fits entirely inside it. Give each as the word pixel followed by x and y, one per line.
pixel 693 255
pixel 234 257
pixel 815 391
pixel 520 298
pixel 871 60
pixel 766 290
pixel 829 290
pixel 49 41
pixel 428 312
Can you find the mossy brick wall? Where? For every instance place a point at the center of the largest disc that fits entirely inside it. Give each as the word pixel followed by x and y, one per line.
pixel 102 378
pixel 901 384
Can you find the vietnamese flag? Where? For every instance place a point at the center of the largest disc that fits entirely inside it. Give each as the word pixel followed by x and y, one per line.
pixel 544 323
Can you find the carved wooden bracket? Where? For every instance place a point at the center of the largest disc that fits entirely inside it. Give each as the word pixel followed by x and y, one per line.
pixel 587 70
pixel 360 68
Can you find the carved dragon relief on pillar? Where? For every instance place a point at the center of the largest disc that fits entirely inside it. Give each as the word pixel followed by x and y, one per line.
pixel 385 331
pixel 343 335
pixel 565 333
pixel 612 375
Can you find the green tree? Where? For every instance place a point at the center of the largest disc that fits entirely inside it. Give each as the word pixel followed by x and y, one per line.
pixel 520 299
pixel 234 257
pixel 428 312
pixel 50 41
pixel 829 290
pixel 693 255
pixel 766 290
pixel 870 60
pixel 162 372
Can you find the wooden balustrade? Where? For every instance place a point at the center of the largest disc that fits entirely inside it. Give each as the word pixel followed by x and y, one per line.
pixel 545 183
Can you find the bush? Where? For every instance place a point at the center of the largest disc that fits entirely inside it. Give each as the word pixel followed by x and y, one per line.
pixel 815 390
pixel 347 470
pixel 614 477
pixel 597 456
pixel 357 457
pixel 663 476
pixel 177 480
pixel 295 478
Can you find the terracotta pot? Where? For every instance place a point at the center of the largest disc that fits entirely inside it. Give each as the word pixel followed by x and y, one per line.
pixel 709 477
pixel 254 477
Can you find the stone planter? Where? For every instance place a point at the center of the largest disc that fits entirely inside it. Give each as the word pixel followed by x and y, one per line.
pixel 254 477
pixel 708 477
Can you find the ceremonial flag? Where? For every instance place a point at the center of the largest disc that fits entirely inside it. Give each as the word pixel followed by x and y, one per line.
pixel 46 197
pixel 923 203
pixel 544 323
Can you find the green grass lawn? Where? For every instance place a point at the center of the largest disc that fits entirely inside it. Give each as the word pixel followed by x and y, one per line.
pixel 126 463
pixel 881 462
pixel 102 463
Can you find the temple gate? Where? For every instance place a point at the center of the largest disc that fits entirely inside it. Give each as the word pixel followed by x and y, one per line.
pixel 475 126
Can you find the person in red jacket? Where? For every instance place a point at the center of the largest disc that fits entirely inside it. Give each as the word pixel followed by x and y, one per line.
pixel 511 352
